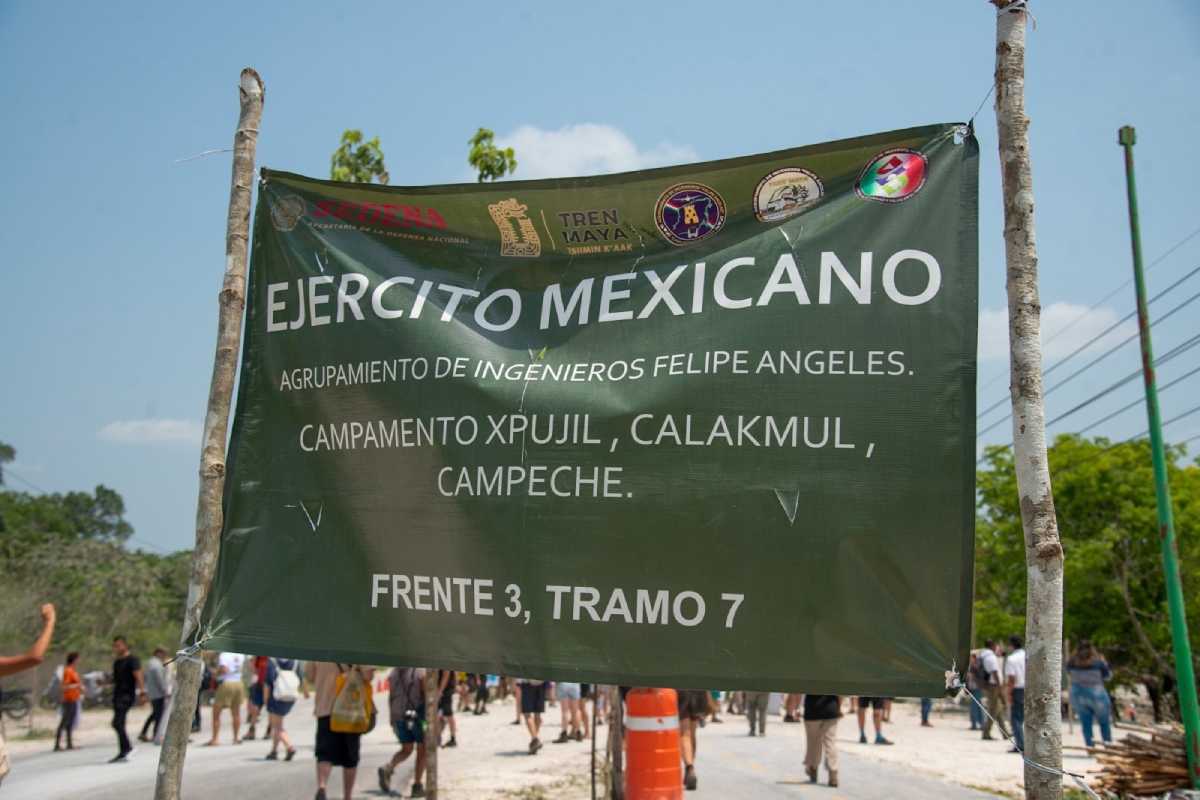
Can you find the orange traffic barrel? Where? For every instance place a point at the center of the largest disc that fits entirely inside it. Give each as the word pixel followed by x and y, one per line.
pixel 652 770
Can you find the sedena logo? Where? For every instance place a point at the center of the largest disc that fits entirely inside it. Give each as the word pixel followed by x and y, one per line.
pixel 383 214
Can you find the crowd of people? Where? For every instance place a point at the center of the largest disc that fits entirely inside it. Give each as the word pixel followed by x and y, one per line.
pixel 995 681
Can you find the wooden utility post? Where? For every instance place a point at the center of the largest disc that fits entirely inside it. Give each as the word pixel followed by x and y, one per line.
pixel 616 742
pixel 433 734
pixel 1043 551
pixel 232 301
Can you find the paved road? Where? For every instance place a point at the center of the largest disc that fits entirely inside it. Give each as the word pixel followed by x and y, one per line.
pixel 212 773
pixel 731 764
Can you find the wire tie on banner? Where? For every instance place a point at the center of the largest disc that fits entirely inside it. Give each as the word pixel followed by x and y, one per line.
pixel 202 155
pixel 953 681
pixel 188 653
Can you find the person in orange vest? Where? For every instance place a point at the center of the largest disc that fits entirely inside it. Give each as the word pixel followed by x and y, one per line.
pixel 72 690
pixel 693 706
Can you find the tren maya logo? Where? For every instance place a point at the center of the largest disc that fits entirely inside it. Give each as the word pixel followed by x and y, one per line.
pixel 689 212
pixel 893 176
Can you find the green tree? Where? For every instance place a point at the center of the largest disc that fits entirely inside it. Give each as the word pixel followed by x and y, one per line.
pixel 30 519
pixel 488 160
pixel 1114 590
pixel 7 454
pixel 70 548
pixel 356 161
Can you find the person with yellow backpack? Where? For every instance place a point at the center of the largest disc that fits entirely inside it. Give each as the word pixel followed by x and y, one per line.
pixel 345 710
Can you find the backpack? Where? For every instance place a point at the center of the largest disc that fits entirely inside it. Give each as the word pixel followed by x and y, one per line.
pixel 286 685
pixel 353 703
pixel 980 674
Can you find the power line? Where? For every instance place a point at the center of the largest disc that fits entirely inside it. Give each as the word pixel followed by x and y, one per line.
pixel 1100 336
pixel 1163 359
pixel 1124 342
pixel 1096 305
pixel 1111 447
pixel 1182 348
pixel 9 473
pixel 1136 436
pixel 1138 402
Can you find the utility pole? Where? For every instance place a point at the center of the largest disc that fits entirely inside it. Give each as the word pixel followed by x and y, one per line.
pixel 1185 674
pixel 433 732
pixel 209 512
pixel 1043 550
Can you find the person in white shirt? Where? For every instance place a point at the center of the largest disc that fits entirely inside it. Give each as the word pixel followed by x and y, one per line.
pixel 1014 683
pixel 993 689
pixel 231 694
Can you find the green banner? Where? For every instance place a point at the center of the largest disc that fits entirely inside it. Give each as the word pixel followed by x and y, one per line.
pixel 707 426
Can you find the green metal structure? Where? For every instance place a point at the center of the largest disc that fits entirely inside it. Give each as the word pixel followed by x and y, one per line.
pixel 1185 677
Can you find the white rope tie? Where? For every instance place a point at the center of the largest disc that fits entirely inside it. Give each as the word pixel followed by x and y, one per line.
pixel 953 682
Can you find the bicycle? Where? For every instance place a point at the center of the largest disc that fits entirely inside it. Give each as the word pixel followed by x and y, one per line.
pixel 16 703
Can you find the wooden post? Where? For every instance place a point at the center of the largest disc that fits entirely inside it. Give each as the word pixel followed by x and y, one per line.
pixel 433 733
pixel 1043 551
pixel 616 742
pixel 232 301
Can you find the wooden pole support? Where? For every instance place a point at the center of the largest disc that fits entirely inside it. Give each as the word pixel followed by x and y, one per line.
pixel 433 733
pixel 232 302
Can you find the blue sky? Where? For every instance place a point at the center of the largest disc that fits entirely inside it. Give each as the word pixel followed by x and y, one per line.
pixel 112 251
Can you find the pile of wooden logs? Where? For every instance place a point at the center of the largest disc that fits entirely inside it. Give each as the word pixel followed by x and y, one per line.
pixel 1150 762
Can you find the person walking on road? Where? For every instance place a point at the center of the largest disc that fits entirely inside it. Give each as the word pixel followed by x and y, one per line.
pixel 447 682
pixel 821 715
pixel 1088 671
pixel 791 707
pixel 926 707
pixel 993 689
pixel 280 687
pixel 876 705
pixel 231 693
pixel 406 711
pixel 571 702
pixel 72 690
pixel 255 695
pixel 516 686
pixel 129 689
pixel 481 694
pixel 533 705
pixel 976 684
pixel 756 711
pixel 1014 683
pixel 333 748
pixel 693 707
pixel 155 678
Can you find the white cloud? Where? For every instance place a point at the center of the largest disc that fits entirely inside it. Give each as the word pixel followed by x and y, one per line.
pixel 585 149
pixel 151 431
pixel 1065 329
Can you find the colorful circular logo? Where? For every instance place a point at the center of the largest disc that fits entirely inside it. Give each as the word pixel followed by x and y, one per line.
pixel 785 193
pixel 286 211
pixel 893 176
pixel 689 212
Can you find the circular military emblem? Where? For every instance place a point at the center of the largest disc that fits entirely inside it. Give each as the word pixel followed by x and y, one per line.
pixel 893 176
pixel 689 212
pixel 286 211
pixel 785 193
